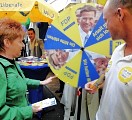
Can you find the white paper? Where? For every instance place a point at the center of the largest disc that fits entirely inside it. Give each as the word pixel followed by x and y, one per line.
pixel 46 103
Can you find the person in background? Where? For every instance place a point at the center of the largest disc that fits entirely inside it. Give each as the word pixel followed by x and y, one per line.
pixel 14 104
pixel 36 45
pixel 117 90
pixel 43 27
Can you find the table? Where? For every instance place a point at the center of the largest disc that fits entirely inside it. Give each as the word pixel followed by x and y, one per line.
pixel 39 73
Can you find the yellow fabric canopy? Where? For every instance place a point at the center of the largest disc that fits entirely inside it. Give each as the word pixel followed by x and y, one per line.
pixel 21 10
pixel 102 2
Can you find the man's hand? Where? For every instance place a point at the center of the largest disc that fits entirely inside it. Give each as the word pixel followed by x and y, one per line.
pixel 90 88
pixel 93 86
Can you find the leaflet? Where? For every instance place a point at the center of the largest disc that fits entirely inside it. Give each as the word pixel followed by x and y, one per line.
pixel 46 103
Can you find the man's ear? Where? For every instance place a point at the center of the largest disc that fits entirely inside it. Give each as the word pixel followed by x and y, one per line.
pixel 120 14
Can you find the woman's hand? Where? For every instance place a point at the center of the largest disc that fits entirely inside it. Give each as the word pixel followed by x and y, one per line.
pixel 36 108
pixel 48 80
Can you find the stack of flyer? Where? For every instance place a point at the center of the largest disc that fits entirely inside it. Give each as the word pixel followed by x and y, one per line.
pixel 46 103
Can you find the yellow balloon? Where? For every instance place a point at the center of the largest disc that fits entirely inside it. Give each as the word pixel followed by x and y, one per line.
pixel 102 2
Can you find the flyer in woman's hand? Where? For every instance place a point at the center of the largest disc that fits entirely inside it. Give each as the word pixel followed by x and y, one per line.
pixel 46 103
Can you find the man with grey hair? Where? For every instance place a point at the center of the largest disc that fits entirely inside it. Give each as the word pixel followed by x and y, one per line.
pixel 116 101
